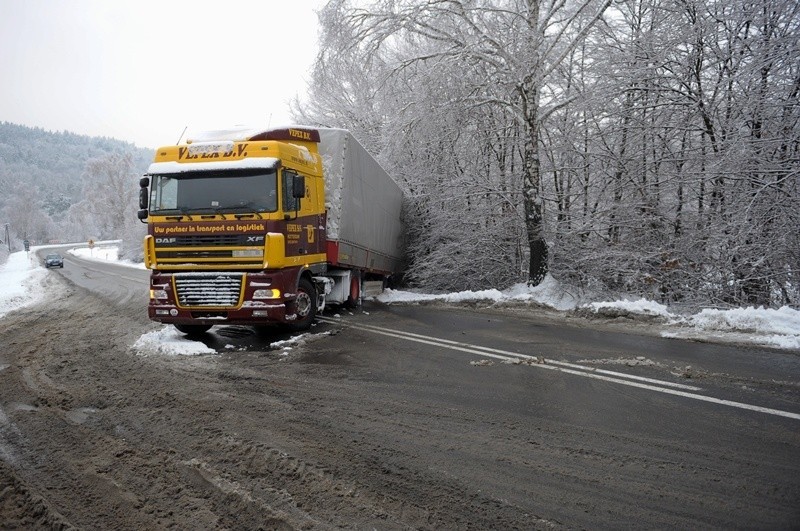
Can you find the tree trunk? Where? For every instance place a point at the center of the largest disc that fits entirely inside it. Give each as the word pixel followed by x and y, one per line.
pixel 534 221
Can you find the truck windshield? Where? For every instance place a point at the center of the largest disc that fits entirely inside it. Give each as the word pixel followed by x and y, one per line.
pixel 214 191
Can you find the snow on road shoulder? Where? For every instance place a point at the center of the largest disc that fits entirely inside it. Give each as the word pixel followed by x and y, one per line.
pixel 763 326
pixel 626 307
pixel 758 326
pixel 549 293
pixel 20 279
pixel 107 251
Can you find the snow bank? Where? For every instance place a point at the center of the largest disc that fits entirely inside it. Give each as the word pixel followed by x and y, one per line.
pixel 20 282
pixel 774 328
pixel 104 252
pixel 761 326
pixel 778 328
pixel 639 307
pixel 168 341
pixel 781 321
pixel 549 293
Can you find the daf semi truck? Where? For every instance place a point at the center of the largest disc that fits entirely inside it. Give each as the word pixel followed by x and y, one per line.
pixel 266 226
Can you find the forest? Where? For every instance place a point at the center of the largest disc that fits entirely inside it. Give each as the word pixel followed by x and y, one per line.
pixel 641 147
pixel 64 187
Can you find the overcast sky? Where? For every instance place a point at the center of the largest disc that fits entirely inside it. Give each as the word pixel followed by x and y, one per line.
pixel 142 70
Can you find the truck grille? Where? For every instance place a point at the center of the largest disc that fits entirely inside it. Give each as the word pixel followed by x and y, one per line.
pixel 162 255
pixel 205 240
pixel 207 290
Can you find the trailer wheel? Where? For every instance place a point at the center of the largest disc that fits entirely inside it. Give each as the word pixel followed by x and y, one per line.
pixel 305 306
pixel 193 330
pixel 354 299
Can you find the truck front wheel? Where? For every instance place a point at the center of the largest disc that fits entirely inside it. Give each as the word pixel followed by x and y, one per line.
pixel 305 305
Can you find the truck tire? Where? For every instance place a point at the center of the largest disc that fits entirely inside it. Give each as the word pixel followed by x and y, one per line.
pixel 193 330
pixel 354 299
pixel 305 306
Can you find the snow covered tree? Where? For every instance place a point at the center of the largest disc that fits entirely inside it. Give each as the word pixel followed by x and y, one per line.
pixel 27 218
pixel 109 191
pixel 109 204
pixel 482 58
pixel 648 147
pixel 513 47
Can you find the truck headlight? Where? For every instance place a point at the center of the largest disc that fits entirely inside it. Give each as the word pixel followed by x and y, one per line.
pixel 267 294
pixel 158 294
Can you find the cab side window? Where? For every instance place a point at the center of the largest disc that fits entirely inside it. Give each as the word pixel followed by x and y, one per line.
pixel 290 203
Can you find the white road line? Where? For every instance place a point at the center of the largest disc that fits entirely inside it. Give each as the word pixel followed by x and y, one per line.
pixel 623 375
pixel 506 354
pixel 569 368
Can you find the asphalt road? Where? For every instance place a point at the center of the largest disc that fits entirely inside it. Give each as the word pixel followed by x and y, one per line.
pixel 521 418
pixel 109 280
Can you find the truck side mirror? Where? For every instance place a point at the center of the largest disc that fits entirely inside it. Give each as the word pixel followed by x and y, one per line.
pixel 144 198
pixel 299 186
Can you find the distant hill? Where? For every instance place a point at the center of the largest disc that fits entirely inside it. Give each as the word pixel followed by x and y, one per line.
pixel 54 162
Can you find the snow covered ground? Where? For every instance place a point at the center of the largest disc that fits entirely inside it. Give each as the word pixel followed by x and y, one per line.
pixel 758 326
pixel 22 273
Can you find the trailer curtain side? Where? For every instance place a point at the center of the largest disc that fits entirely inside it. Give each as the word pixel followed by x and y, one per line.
pixel 363 202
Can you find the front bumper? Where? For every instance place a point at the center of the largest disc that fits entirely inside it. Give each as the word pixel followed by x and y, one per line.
pixel 222 297
pixel 258 314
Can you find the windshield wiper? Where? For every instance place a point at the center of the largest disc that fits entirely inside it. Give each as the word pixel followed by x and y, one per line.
pixel 247 206
pixel 180 210
pixel 209 212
